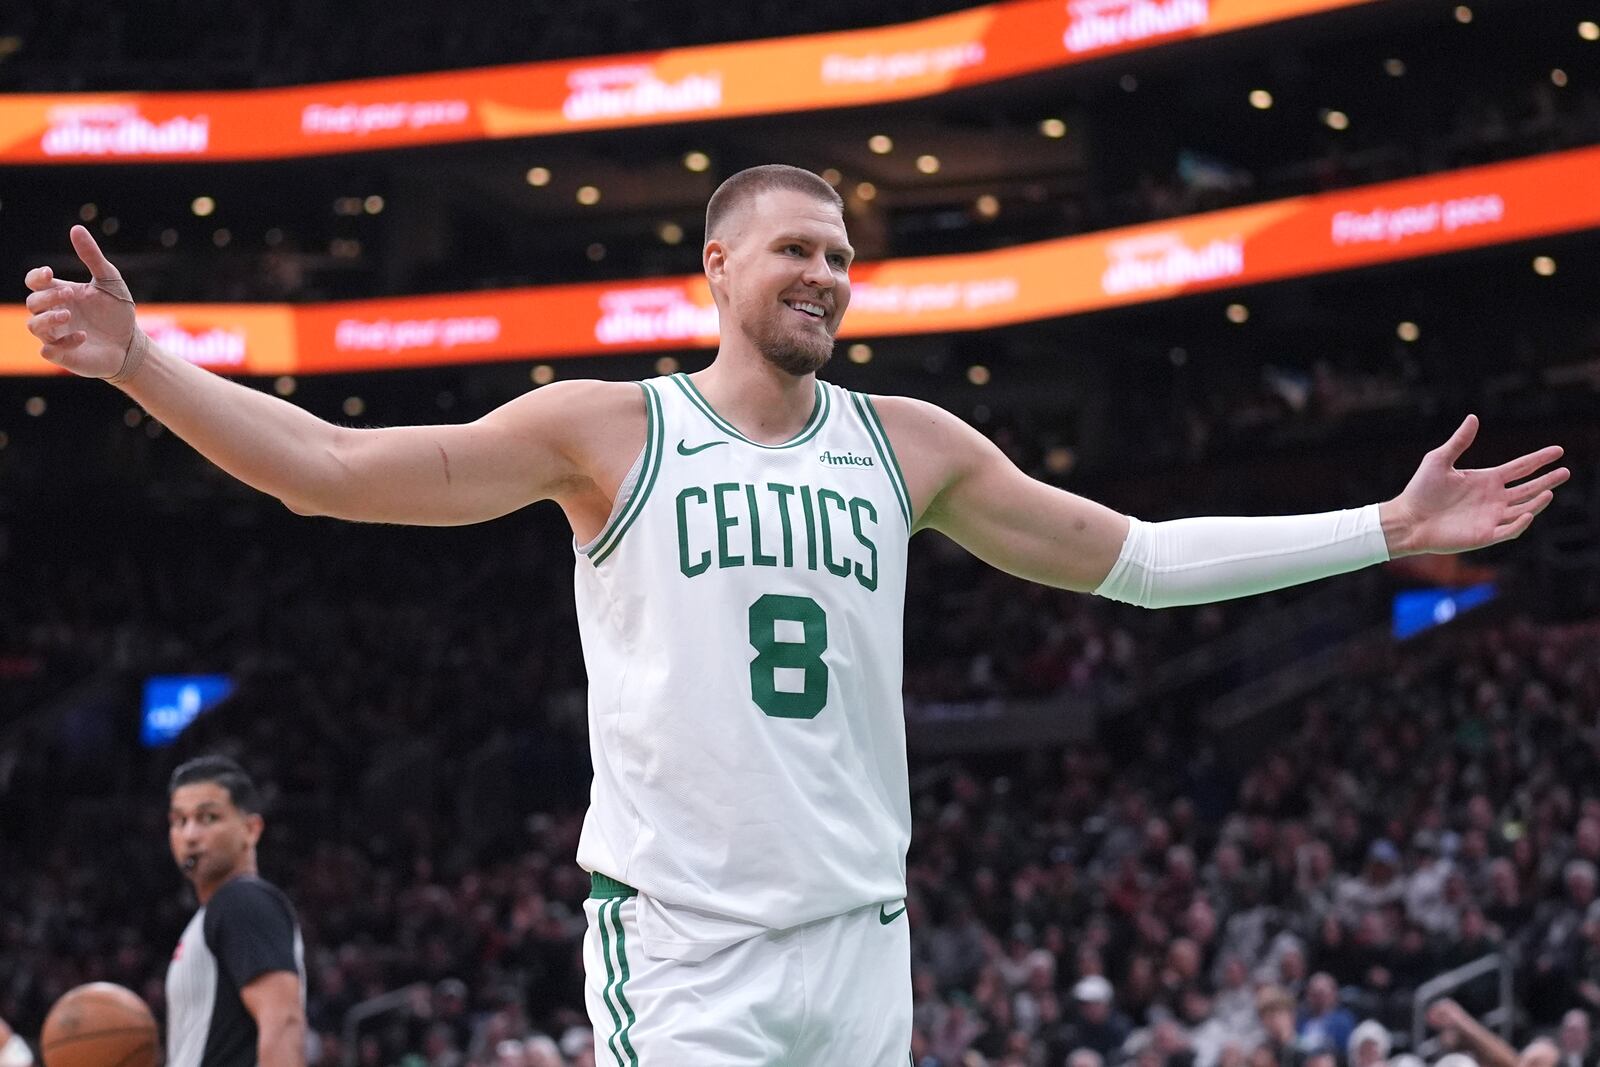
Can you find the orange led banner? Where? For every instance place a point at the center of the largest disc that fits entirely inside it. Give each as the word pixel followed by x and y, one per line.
pixel 829 70
pixel 1070 275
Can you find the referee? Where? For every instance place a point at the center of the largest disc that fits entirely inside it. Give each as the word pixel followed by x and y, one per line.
pixel 236 985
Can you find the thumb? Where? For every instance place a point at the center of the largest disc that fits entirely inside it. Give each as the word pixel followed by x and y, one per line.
pixel 1460 441
pixel 99 266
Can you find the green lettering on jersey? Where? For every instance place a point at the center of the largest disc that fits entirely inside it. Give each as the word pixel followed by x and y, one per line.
pixel 693 492
pixel 868 577
pixel 784 492
pixel 811 527
pixel 758 558
pixel 824 496
pixel 725 522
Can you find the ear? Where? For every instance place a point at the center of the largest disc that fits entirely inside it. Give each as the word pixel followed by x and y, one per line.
pixel 253 825
pixel 714 258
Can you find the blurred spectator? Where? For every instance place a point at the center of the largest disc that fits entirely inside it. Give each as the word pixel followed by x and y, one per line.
pixel 1324 1024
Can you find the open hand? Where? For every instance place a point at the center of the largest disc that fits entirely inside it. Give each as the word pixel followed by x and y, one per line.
pixel 85 327
pixel 1443 509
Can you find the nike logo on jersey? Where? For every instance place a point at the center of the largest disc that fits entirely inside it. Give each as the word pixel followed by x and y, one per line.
pixel 886 917
pixel 689 451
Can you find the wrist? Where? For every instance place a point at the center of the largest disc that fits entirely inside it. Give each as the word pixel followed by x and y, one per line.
pixel 1398 526
pixel 135 357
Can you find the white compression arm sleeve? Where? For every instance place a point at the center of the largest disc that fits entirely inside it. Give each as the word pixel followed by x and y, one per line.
pixel 1197 561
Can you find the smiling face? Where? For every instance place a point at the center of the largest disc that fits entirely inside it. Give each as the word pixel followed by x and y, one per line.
pixel 211 839
pixel 780 272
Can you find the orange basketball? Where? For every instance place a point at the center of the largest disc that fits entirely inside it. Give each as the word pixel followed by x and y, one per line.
pixel 100 1025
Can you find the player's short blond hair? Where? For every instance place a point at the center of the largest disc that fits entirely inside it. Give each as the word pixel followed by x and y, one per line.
pixel 741 188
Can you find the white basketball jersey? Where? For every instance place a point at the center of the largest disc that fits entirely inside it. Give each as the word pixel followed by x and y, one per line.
pixel 742 619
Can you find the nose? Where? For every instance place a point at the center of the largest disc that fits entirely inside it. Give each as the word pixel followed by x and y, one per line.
pixel 817 271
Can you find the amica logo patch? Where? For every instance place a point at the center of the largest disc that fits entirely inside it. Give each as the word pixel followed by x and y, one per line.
pixel 844 459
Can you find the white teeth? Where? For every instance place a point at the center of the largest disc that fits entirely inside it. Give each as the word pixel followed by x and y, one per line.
pixel 809 308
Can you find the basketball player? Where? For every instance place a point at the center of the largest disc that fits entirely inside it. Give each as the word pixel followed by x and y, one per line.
pixel 740 536
pixel 236 985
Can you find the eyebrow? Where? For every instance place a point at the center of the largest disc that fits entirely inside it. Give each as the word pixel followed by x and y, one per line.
pixel 801 238
pixel 202 806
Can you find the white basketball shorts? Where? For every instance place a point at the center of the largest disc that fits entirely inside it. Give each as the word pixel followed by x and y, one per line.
pixel 830 993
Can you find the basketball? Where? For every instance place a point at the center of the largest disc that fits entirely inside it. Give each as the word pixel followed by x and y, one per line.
pixel 100 1025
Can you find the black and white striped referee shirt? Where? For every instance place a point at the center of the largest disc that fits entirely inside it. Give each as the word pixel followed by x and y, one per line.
pixel 246 930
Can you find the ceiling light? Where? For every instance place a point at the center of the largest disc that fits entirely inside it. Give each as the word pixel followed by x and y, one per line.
pixel 666 365
pixel 880 144
pixel 1589 31
pixel 697 161
pixel 221 237
pixel 132 418
pixel 860 353
pixel 670 233
pixel 87 213
pixel 1336 120
pixel 285 385
pixel 1053 128
pixel 978 374
pixel 1395 68
pixel 928 164
pixel 538 176
pixel 1463 14
pixel 832 176
pixel 1238 313
pixel 273 237
pixel 203 206
pixel 373 204
pixel 866 190
pixel 596 252
pixel 1407 332
pixel 1260 99
pixel 35 406
pixel 110 226
pixel 169 237
pixel 987 206
pixel 1558 78
pixel 543 374
pixel 588 195
pixel 353 406
pixel 1544 266
pixel 1128 82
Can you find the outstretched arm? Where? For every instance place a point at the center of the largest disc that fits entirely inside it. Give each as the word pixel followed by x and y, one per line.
pixel 1484 1043
pixel 530 449
pixel 965 487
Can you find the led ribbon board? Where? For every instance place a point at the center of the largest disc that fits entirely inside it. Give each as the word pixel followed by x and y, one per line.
pixel 1300 236
pixel 818 71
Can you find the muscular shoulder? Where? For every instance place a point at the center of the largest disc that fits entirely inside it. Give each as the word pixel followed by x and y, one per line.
pixel 917 422
pixel 933 446
pixel 595 425
pixel 575 409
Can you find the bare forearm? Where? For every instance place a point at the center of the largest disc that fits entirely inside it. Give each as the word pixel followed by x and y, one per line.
pixel 267 443
pixel 1491 1051
pixel 282 1043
